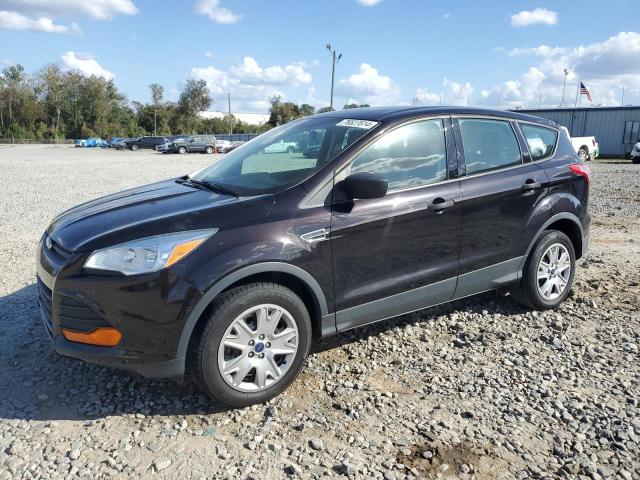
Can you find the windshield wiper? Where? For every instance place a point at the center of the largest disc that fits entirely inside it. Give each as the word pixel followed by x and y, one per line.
pixel 212 186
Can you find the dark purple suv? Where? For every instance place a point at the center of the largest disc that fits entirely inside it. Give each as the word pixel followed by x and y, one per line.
pixel 231 272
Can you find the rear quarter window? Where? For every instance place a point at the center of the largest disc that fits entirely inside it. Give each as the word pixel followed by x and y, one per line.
pixel 541 140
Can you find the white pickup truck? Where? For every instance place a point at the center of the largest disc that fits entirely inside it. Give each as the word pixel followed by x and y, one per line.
pixel 586 147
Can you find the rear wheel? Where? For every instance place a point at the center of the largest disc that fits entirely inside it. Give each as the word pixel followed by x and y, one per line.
pixel 209 150
pixel 635 160
pixel 583 153
pixel 548 273
pixel 134 148
pixel 253 344
pixel 182 150
pixel 291 150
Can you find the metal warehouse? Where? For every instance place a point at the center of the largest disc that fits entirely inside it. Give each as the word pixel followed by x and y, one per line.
pixel 616 129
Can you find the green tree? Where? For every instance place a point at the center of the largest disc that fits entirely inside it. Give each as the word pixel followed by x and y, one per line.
pixel 326 109
pixel 194 99
pixel 157 92
pixel 355 105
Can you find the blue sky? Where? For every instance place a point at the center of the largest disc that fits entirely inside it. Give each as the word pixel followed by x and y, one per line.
pixel 489 53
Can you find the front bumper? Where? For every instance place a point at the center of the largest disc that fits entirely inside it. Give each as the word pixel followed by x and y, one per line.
pixel 148 310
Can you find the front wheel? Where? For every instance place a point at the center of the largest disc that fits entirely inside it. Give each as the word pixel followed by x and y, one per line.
pixel 252 346
pixel 548 272
pixel 209 150
pixel 635 160
pixel 182 150
pixel 134 148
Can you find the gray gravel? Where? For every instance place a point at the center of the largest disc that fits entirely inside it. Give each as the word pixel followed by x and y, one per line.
pixel 477 389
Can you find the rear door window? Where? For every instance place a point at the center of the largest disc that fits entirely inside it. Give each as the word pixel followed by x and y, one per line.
pixel 488 145
pixel 541 141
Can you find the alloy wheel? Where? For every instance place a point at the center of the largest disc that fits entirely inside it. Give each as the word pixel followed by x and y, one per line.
pixel 258 348
pixel 554 271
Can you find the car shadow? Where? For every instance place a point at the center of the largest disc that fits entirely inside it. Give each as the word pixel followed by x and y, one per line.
pixel 42 385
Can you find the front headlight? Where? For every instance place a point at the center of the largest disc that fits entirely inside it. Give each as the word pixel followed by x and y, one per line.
pixel 148 254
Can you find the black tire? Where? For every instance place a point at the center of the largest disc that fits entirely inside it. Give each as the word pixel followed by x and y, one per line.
pixel 134 148
pixel 203 350
pixel 583 153
pixel 209 150
pixel 635 160
pixel 182 150
pixel 291 150
pixel 526 293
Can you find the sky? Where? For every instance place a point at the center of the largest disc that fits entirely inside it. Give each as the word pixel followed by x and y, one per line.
pixel 494 54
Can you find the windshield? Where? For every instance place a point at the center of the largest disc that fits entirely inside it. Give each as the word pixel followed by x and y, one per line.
pixel 284 156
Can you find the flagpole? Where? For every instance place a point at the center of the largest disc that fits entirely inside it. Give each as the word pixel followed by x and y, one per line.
pixel 622 100
pixel 577 90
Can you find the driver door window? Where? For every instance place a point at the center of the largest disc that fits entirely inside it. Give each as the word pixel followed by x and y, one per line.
pixel 410 156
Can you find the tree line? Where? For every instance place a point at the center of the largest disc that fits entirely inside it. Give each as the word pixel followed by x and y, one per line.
pixel 57 104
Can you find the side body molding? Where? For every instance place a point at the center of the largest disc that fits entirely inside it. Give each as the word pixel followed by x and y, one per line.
pixel 328 320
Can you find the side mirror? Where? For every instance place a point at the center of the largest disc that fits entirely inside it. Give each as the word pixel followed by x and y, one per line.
pixel 366 185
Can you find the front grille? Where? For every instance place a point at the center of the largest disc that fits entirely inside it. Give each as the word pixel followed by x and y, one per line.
pixel 77 315
pixel 45 299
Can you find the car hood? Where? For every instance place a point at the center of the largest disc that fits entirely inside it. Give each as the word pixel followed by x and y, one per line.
pixel 154 209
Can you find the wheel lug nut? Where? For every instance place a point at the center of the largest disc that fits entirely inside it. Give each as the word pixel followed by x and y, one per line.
pixel 267 345
pixel 251 342
pixel 251 354
pixel 261 355
pixel 261 337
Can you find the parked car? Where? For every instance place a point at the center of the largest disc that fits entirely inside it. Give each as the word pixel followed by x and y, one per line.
pixel 635 153
pixel 167 146
pixel 119 143
pixel 220 145
pixel 195 144
pixel 586 147
pixel 233 271
pixel 80 143
pixel 232 146
pixel 92 142
pixel 282 146
pixel 145 142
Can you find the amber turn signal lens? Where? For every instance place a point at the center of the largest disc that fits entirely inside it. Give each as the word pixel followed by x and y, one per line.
pixel 105 337
pixel 182 250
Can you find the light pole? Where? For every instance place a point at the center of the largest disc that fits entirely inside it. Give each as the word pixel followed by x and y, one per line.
pixel 563 102
pixel 333 69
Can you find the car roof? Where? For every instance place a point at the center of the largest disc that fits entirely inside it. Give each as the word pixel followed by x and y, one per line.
pixel 380 114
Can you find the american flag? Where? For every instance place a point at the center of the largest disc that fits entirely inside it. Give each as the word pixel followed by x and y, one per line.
pixel 584 91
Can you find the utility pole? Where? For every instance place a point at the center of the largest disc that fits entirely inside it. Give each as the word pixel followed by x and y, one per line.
pixel 230 117
pixel 563 102
pixel 540 100
pixel 622 99
pixel 333 69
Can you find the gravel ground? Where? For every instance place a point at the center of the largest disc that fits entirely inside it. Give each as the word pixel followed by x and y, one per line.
pixel 476 389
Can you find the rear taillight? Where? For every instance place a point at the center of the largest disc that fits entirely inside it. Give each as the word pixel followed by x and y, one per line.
pixel 581 169
pixel 593 141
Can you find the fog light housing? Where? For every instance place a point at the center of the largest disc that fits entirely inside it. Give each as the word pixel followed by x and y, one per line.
pixel 103 336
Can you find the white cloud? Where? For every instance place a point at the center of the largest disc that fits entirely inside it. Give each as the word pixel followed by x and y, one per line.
pixel 213 10
pixel 98 9
pixel 209 54
pixel 251 73
pixel 86 64
pixel 368 86
pixel 605 67
pixel 368 3
pixel 453 93
pixel 532 17
pixel 17 21
pixel 251 85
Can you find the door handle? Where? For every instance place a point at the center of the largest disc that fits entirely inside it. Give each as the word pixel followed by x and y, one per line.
pixel 439 204
pixel 531 185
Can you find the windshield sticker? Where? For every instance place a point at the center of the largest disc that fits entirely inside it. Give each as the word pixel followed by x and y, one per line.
pixel 364 124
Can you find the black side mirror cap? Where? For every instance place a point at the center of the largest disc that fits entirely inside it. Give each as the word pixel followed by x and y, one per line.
pixel 365 185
